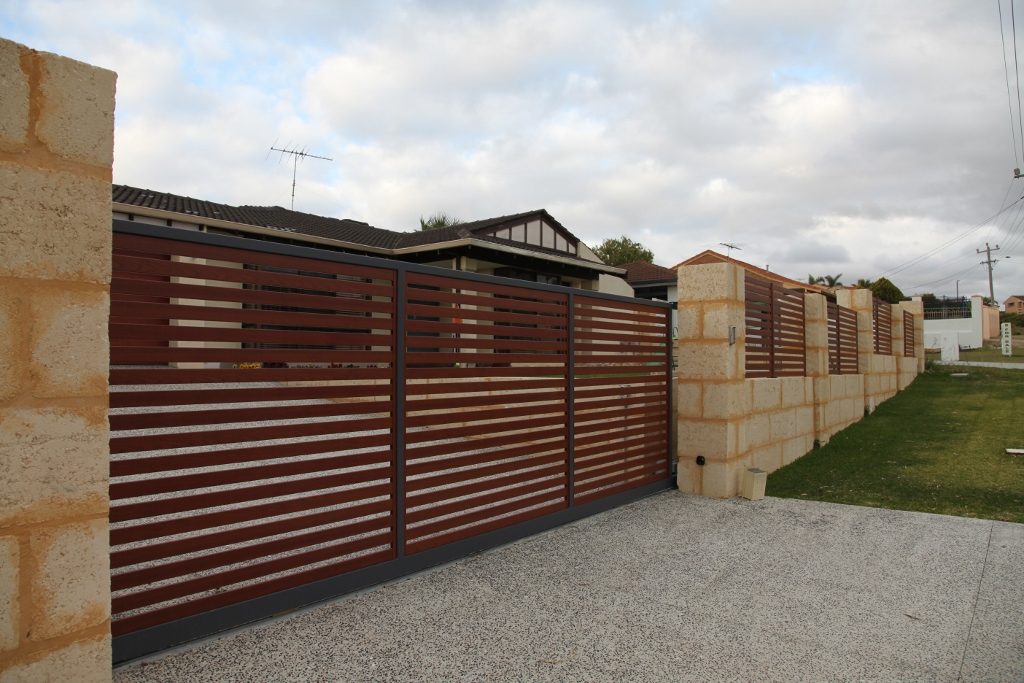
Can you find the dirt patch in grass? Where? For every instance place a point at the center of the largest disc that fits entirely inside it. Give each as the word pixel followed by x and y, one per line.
pixel 937 447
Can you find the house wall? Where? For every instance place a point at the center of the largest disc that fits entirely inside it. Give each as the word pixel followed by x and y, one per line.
pixel 1014 305
pixel 969 332
pixel 56 150
pixel 732 422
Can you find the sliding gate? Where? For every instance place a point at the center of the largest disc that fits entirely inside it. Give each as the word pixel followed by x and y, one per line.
pixel 289 424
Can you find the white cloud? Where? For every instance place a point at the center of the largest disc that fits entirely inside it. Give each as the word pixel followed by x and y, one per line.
pixel 826 137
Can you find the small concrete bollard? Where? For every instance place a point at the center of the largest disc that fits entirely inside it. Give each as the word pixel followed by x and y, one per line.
pixel 753 483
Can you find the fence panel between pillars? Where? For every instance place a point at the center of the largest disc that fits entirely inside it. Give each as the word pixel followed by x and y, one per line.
pixel 289 424
pixel 881 325
pixel 908 334
pixel 775 344
pixel 842 340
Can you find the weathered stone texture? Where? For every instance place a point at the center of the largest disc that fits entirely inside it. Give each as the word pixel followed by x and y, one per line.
pixel 9 580
pixel 62 364
pixel 51 455
pixel 54 225
pixel 11 363
pixel 86 661
pixel 77 120
pixel 15 89
pixel 71 562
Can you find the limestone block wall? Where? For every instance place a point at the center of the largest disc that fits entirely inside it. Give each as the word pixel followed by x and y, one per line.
pixel 56 149
pixel 726 422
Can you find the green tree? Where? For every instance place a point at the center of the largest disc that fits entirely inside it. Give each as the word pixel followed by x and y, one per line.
pixel 864 283
pixel 438 220
pixel 834 280
pixel 887 291
pixel 618 251
pixel 815 279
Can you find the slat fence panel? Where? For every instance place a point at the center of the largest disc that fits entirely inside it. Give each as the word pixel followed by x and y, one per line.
pixel 774 341
pixel 842 340
pixel 908 334
pixel 881 325
pixel 252 399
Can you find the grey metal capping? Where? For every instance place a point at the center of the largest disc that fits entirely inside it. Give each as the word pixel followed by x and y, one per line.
pixel 156 638
pixel 398 422
pixel 231 242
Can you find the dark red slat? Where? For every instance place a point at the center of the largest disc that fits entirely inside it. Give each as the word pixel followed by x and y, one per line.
pixel 164 463
pixel 470 387
pixel 132 266
pixel 131 444
pixel 166 247
pixel 189 418
pixel 136 376
pixel 129 511
pixel 476 430
pixel 192 523
pixel 475 328
pixel 415 467
pixel 122 625
pixel 152 596
pixel 480 400
pixel 477 343
pixel 201 542
pixel 543 321
pixel 421 296
pixel 503 468
pixel 131 399
pixel 532 437
pixel 420 498
pixel 185 482
pixel 129 312
pixel 421 358
pixel 459 534
pixel 425 280
pixel 128 355
pixel 126 333
pixel 502 413
pixel 428 513
pixel 425 529
pixel 249 552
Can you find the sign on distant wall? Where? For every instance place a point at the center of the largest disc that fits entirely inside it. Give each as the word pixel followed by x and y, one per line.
pixel 1006 340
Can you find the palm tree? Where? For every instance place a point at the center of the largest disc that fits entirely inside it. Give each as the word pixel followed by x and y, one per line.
pixel 864 283
pixel 438 220
pixel 815 279
pixel 833 280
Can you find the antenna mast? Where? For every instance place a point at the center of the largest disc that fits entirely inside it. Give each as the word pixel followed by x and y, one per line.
pixel 297 154
pixel 729 248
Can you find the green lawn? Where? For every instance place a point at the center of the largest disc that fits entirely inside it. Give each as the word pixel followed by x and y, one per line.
pixel 990 353
pixel 937 447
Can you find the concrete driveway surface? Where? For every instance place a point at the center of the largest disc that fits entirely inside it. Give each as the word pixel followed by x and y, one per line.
pixel 671 588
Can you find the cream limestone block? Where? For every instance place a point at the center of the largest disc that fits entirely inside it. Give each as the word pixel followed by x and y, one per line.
pixel 689 476
pixel 758 429
pixel 804 417
pixel 707 361
pixel 725 400
pixel 56 225
pixel 793 449
pixel 708 282
pixel 792 391
pixel 71 580
pixel 767 458
pixel 783 424
pixel 719 317
pixel 86 661
pixel 49 456
pixel 752 483
pixel 689 399
pixel 70 348
pixel 14 103
pixel 688 319
pixel 9 578
pixel 767 393
pixel 77 118
pixel 714 440
pixel 719 480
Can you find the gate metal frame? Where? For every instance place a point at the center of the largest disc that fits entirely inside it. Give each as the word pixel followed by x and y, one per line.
pixel 153 639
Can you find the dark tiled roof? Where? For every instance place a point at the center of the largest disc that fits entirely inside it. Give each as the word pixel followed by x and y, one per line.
pixel 641 271
pixel 342 229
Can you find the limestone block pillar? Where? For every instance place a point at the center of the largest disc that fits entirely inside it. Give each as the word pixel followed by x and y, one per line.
pixel 861 301
pixel 816 339
pixel 56 151
pixel 712 397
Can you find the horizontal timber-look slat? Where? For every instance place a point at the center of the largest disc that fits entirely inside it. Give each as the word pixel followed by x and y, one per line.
pixel 908 334
pixel 881 326
pixel 774 341
pixel 284 419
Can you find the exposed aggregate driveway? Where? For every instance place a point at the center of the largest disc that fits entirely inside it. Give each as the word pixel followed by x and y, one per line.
pixel 671 588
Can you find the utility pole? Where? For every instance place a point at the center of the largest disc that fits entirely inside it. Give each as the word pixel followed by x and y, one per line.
pixel 989 261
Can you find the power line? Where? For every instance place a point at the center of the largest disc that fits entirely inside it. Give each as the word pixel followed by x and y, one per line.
pixel 914 261
pixel 1016 71
pixel 946 279
pixel 1009 101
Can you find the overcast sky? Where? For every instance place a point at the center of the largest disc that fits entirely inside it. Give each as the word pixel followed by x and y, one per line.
pixel 821 137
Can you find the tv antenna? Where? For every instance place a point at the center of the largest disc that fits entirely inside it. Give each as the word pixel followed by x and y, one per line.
pixel 296 155
pixel 729 248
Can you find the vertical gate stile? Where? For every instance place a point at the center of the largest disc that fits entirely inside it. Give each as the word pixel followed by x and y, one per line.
pixel 570 397
pixel 772 331
pixel 668 384
pixel 398 416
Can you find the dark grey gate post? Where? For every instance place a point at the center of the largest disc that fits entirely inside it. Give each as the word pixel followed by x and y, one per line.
pixel 570 386
pixel 399 417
